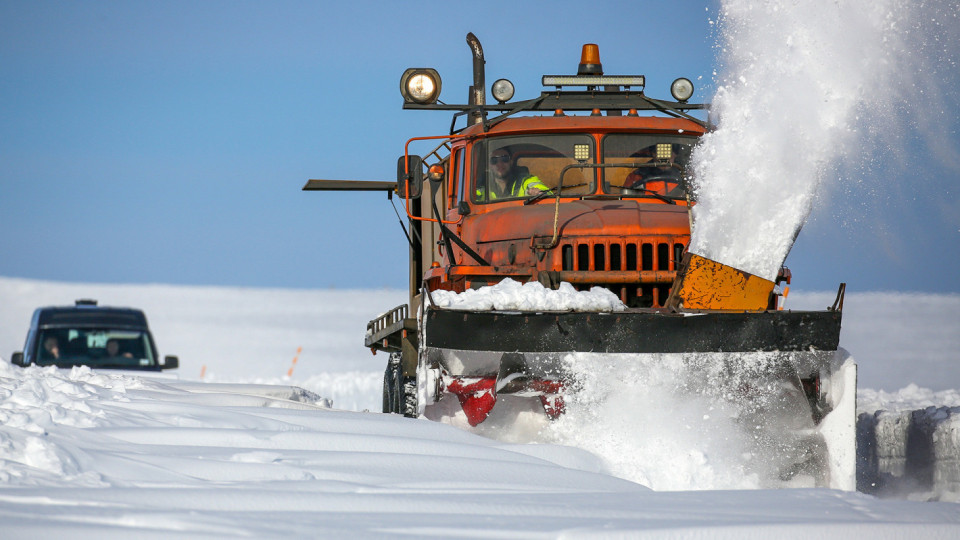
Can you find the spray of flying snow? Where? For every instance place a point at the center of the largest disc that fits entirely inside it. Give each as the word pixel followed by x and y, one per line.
pixel 805 84
pixel 672 422
pixel 698 421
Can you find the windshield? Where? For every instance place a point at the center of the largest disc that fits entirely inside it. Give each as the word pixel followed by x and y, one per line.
pixel 646 165
pixel 97 348
pixel 521 167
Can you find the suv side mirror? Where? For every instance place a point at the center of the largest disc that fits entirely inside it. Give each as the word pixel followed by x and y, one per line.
pixel 17 359
pixel 412 181
pixel 170 362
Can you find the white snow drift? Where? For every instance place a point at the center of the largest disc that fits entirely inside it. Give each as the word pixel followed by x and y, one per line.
pixel 96 454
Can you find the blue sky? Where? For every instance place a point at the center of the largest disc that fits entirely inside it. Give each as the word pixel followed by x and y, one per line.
pixel 167 142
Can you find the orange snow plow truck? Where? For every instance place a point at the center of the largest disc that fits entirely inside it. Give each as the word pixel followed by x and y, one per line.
pixel 587 185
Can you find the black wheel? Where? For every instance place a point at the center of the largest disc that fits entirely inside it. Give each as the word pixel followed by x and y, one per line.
pixel 393 386
pixel 388 397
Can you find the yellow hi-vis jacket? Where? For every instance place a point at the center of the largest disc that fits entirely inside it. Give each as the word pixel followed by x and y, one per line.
pixel 519 188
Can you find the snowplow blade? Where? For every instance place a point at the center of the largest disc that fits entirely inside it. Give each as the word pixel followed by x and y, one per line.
pixel 633 331
pixel 535 346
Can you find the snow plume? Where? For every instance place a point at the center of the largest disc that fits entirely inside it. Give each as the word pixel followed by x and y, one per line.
pixel 681 422
pixel 805 85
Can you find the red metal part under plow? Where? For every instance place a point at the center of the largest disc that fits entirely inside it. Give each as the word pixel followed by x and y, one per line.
pixel 477 396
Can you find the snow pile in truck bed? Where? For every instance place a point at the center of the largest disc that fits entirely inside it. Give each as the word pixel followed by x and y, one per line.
pixel 511 295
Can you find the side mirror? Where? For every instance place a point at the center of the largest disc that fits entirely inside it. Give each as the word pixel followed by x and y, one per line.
pixel 17 359
pixel 412 181
pixel 170 362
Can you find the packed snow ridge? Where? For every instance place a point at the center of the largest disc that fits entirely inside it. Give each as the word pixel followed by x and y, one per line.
pixel 510 295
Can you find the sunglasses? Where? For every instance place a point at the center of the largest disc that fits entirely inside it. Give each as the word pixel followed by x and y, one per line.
pixel 499 159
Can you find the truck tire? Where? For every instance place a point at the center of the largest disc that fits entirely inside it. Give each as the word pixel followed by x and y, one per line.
pixel 409 401
pixel 393 386
pixel 388 397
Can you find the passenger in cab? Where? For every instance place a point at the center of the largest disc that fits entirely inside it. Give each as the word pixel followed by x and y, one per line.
pixel 660 177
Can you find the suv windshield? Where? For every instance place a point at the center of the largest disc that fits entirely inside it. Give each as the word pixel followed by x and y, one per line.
pixel 646 165
pixel 95 347
pixel 520 167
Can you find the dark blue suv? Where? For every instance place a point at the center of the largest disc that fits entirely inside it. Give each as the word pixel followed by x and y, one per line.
pixel 86 334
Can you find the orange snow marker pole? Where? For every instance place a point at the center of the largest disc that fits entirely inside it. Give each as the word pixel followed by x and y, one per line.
pixel 203 371
pixel 786 293
pixel 294 364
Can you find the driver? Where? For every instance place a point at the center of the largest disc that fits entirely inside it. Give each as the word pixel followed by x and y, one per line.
pixel 509 180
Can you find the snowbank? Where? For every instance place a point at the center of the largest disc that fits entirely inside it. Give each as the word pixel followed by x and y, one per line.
pixel 909 443
pixel 233 332
pixel 99 456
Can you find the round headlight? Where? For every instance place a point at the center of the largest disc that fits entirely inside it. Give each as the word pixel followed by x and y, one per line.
pixel 420 85
pixel 502 90
pixel 681 89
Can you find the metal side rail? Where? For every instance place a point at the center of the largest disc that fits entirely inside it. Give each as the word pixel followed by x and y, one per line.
pixel 385 333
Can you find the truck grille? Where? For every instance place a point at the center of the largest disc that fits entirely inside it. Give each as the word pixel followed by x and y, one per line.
pixel 655 261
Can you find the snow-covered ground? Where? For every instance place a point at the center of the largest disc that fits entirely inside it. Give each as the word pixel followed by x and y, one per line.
pixel 232 448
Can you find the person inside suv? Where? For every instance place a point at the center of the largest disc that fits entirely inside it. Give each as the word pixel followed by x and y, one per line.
pixel 51 348
pixel 113 350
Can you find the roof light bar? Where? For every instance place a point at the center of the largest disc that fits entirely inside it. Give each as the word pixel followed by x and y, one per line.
pixel 593 80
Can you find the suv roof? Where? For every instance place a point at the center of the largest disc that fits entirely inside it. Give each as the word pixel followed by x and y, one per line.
pixel 85 315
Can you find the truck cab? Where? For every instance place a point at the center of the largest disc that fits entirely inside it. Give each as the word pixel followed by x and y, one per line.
pixel 606 204
pixel 588 183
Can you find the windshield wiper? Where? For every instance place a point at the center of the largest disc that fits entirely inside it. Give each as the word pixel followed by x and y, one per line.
pixel 663 198
pixel 648 193
pixel 547 193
